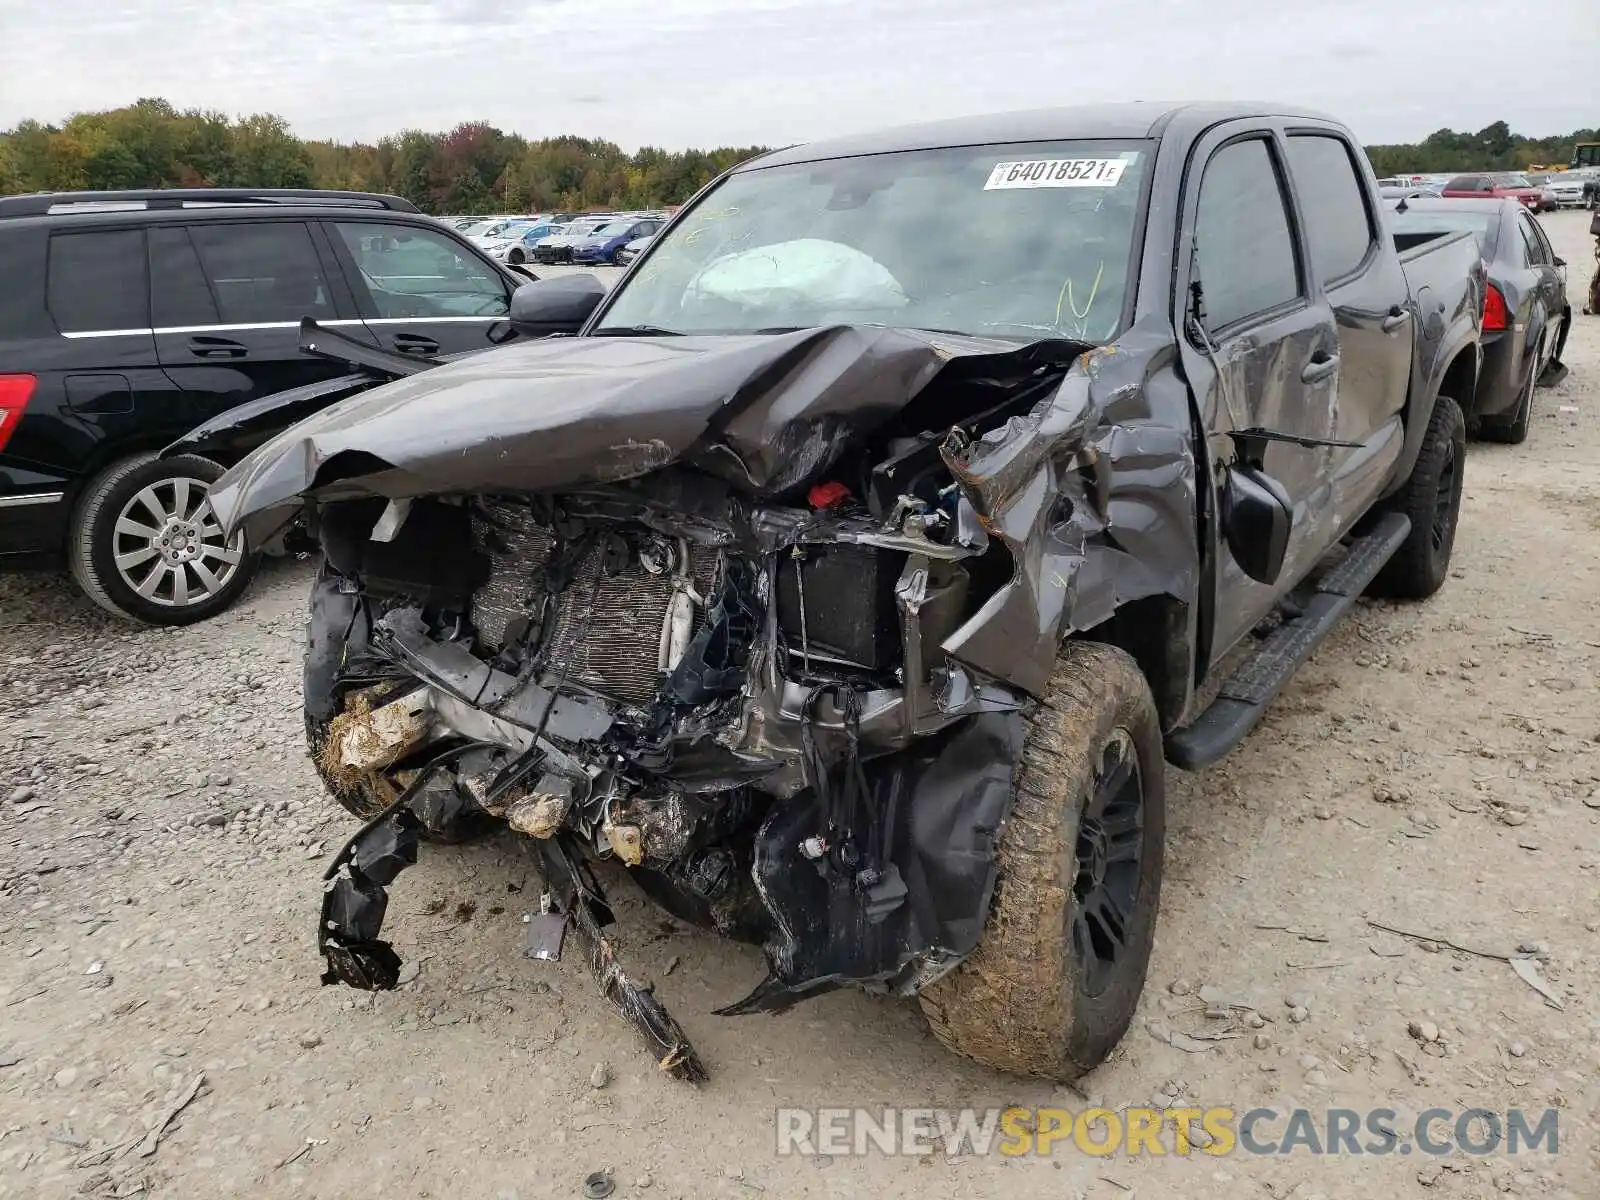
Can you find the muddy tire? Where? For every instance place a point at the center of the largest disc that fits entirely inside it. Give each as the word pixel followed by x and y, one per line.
pixel 355 798
pixel 144 545
pixel 1056 976
pixel 330 627
pixel 360 799
pixel 1431 497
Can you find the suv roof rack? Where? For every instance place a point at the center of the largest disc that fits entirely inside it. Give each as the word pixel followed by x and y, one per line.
pixel 38 204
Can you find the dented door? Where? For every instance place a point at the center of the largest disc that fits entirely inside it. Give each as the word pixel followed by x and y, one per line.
pixel 1261 349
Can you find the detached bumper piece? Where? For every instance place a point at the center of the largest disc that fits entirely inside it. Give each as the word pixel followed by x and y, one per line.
pixel 580 898
pixel 354 906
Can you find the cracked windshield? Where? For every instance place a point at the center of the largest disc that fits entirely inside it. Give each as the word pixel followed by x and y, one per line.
pixel 1016 241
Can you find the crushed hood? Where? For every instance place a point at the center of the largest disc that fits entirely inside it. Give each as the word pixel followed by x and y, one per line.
pixel 765 412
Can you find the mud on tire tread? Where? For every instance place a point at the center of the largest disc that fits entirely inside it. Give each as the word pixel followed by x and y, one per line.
pixel 360 800
pixel 1418 569
pixel 1014 1003
pixel 89 556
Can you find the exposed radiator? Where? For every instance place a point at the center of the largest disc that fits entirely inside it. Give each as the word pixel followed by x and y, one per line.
pixel 517 546
pixel 603 635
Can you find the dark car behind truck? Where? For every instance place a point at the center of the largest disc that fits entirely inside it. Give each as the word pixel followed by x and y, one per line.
pixel 128 318
pixel 1526 314
pixel 850 584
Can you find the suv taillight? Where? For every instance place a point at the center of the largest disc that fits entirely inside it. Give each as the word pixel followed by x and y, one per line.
pixel 1494 310
pixel 15 392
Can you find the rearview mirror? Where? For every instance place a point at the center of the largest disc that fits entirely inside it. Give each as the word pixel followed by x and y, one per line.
pixel 559 305
pixel 1256 519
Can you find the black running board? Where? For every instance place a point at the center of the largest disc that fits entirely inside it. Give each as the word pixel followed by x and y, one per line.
pixel 1244 697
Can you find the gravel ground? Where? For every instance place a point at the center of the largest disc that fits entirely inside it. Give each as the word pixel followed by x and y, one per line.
pixel 1436 768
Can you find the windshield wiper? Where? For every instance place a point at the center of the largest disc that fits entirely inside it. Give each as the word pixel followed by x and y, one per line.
pixel 635 331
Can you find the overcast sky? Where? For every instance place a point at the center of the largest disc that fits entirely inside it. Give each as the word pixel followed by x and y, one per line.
pixel 717 72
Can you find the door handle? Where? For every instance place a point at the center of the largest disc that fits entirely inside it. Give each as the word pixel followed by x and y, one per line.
pixel 1396 320
pixel 215 347
pixel 415 343
pixel 1319 368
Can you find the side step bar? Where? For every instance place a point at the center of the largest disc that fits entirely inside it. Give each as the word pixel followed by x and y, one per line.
pixel 1245 696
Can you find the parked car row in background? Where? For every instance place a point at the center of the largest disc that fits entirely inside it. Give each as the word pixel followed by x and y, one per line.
pixel 1537 191
pixel 1574 189
pixel 591 238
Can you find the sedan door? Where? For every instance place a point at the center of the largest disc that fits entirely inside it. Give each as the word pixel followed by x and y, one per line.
pixel 421 292
pixel 226 302
pixel 1551 288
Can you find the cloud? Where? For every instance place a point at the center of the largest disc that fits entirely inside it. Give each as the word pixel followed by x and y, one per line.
pixel 717 72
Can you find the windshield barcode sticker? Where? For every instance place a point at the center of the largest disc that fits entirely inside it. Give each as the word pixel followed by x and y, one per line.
pixel 1056 172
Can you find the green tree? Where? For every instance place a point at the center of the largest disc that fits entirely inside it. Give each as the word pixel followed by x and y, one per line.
pixel 266 154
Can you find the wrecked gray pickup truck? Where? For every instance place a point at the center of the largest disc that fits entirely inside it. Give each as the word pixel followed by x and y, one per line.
pixel 847 579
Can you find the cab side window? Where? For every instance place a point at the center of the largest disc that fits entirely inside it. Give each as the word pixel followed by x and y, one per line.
pixel 1244 242
pixel 1333 201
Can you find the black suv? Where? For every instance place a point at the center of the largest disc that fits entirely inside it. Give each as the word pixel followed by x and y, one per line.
pixel 128 318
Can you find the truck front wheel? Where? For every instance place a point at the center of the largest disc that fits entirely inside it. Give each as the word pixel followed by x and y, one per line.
pixel 1054 981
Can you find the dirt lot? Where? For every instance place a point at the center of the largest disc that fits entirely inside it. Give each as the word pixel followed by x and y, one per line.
pixel 1436 769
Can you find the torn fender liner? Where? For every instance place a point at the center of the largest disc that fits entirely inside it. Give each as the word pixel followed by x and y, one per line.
pixel 953 792
pixel 765 412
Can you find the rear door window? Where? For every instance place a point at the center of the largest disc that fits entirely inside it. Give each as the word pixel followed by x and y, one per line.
pixel 97 282
pixel 180 297
pixel 1245 243
pixel 1547 253
pixel 264 272
pixel 1333 202
pixel 1530 241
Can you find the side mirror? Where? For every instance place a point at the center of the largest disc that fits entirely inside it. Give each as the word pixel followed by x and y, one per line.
pixel 559 305
pixel 1256 519
pixel 1560 262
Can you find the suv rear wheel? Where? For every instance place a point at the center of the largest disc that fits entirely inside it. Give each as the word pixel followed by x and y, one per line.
pixel 144 543
pixel 1055 979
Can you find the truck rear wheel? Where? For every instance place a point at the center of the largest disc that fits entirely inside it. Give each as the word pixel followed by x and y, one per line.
pixel 1056 976
pixel 1431 497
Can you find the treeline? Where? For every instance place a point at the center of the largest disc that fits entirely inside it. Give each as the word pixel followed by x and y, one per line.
pixel 472 168
pixel 1494 148
pixel 478 168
